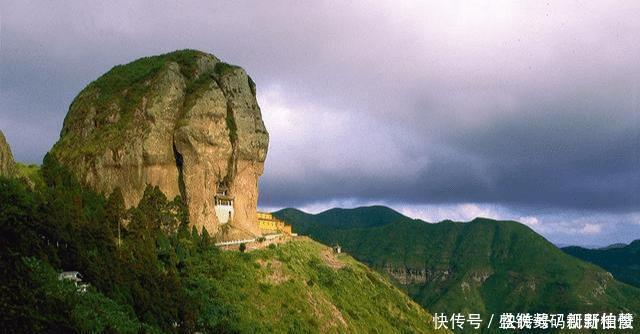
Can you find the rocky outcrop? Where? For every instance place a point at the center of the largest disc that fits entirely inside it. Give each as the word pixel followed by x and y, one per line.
pixel 184 121
pixel 7 165
pixel 406 276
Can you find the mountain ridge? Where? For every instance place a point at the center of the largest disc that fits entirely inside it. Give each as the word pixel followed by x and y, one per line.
pixel 622 261
pixel 481 266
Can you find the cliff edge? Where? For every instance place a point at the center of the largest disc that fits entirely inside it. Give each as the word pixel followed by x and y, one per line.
pixel 7 164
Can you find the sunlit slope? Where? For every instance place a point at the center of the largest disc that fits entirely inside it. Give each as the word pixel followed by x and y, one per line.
pixel 302 286
pixel 484 266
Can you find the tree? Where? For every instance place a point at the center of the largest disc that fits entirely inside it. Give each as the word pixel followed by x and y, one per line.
pixel 205 241
pixel 179 208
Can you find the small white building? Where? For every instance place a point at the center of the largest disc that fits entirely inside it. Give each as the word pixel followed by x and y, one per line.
pixel 223 204
pixel 73 276
pixel 76 278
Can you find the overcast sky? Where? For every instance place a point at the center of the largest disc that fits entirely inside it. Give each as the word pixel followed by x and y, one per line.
pixel 446 109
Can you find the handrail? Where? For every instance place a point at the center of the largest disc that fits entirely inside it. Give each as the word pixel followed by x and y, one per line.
pixel 234 242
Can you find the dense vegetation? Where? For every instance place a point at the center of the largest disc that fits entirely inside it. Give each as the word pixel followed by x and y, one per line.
pixel 483 266
pixel 621 261
pixel 29 173
pixel 125 84
pixel 153 274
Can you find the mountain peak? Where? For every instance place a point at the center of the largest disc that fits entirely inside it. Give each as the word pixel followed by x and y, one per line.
pixel 484 265
pixel 183 121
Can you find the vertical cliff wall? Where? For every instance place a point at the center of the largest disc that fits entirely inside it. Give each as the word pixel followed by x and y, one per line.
pixel 7 165
pixel 184 121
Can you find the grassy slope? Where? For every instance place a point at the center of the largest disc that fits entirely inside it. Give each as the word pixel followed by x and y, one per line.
pixel 163 278
pixel 292 289
pixel 299 287
pixel 30 172
pixel 527 272
pixel 622 262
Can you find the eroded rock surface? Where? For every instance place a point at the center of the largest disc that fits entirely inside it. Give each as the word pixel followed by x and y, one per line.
pixel 184 121
pixel 7 165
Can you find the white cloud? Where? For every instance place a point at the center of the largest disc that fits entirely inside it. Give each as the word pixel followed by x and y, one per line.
pixel 590 229
pixel 320 206
pixel 530 221
pixel 309 141
pixel 456 212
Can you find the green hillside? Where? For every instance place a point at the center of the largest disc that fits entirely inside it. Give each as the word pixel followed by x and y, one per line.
pixel 162 277
pixel 621 261
pixel 483 266
pixel 342 218
pixel 29 173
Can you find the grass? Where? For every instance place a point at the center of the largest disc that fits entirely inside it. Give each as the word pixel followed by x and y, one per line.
pixel 622 262
pixel 30 172
pixel 117 95
pixel 223 68
pixel 162 276
pixel 526 273
pixel 116 99
pixel 290 288
pixel 126 83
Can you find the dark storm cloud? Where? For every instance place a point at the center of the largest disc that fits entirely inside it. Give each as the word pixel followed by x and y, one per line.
pixel 521 105
pixel 565 155
pixel 547 116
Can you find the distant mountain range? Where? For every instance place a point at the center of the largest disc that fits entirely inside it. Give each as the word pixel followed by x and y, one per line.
pixel 483 266
pixel 622 260
pixel 588 246
pixel 612 246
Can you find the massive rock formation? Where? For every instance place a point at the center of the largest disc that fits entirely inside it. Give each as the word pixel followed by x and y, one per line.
pixel 7 165
pixel 184 121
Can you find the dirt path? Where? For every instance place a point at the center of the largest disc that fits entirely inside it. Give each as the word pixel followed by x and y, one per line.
pixel 331 259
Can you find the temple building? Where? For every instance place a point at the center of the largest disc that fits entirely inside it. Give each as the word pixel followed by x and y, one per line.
pixel 272 225
pixel 223 204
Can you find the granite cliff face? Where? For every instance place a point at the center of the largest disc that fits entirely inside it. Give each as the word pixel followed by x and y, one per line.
pixel 7 165
pixel 184 121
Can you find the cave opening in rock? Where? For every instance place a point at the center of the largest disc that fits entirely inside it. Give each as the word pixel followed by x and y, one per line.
pixel 179 166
